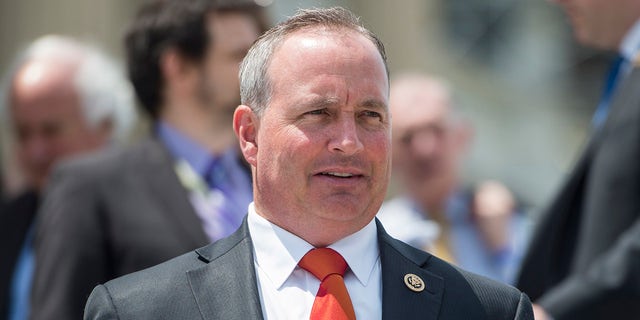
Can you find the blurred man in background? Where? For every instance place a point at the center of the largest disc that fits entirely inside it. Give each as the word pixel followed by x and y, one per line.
pixel 63 98
pixel 584 257
pixel 118 212
pixel 477 229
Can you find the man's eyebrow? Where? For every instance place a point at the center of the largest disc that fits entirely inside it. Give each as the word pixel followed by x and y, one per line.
pixel 374 103
pixel 324 102
pixel 319 102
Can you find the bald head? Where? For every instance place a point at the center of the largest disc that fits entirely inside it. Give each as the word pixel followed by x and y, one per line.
pixel 40 79
pixel 427 141
pixel 47 118
pixel 60 103
pixel 418 99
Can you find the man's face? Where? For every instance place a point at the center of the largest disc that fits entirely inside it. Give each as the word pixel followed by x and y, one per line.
pixel 323 143
pixel 427 144
pixel 601 23
pixel 232 33
pixel 48 122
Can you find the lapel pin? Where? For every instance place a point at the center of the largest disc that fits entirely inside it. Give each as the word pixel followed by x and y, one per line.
pixel 413 282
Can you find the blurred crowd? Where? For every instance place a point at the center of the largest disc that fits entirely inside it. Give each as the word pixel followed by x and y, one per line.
pixel 95 202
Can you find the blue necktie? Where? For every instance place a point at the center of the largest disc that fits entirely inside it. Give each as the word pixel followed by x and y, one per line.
pixel 232 210
pixel 613 78
pixel 21 282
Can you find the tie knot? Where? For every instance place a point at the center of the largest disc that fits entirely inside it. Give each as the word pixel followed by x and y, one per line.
pixel 322 262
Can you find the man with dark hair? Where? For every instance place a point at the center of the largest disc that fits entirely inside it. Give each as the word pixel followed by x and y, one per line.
pixel 315 127
pixel 121 211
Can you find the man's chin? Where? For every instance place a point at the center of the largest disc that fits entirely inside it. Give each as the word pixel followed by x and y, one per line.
pixel 593 39
pixel 423 176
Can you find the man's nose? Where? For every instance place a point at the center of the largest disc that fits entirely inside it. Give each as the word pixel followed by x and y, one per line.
pixel 345 138
pixel 424 145
pixel 37 150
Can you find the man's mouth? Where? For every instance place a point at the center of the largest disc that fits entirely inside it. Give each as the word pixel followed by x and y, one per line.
pixel 337 174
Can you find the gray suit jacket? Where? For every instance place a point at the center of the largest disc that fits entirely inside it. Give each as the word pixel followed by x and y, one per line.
pixel 106 215
pixel 584 257
pixel 219 282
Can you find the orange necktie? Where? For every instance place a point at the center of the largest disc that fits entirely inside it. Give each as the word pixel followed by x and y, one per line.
pixel 332 300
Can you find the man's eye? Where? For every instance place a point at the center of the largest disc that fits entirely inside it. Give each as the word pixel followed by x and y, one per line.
pixel 373 114
pixel 318 112
pixel 406 139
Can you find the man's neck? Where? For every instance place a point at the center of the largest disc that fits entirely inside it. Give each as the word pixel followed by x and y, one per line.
pixel 433 202
pixel 213 131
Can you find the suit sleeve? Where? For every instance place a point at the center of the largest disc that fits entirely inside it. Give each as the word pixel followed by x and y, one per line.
pixel 524 310
pixel 500 301
pixel 69 247
pixel 100 305
pixel 614 275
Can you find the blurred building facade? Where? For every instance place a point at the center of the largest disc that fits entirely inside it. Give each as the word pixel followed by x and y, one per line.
pixel 529 89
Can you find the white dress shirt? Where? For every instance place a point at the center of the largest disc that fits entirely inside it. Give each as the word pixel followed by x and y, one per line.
pixel 630 46
pixel 287 291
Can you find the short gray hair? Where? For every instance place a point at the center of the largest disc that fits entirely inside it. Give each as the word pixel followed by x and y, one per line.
pixel 255 85
pixel 104 91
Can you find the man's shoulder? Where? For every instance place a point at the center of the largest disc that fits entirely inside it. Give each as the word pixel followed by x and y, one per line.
pixel 161 291
pixel 496 297
pixel 112 159
pixel 169 289
pixel 165 275
pixel 459 289
pixel 111 164
pixel 453 274
pixel 498 300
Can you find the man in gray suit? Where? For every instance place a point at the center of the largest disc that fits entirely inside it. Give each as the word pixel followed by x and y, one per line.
pixel 50 112
pixel 584 257
pixel 125 210
pixel 314 125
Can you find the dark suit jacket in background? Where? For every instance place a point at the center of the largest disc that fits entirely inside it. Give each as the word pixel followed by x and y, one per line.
pixel 219 282
pixel 16 217
pixel 106 215
pixel 584 259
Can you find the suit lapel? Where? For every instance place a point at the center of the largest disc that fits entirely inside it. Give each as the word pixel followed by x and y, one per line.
pixel 159 175
pixel 230 269
pixel 226 287
pixel 398 301
pixel 625 96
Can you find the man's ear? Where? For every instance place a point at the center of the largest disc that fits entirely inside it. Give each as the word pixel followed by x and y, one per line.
pixel 245 125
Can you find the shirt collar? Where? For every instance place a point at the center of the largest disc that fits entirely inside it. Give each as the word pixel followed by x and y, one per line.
pixel 631 42
pixel 278 251
pixel 198 157
pixel 361 251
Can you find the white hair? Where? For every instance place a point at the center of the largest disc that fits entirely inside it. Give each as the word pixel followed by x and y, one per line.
pixel 105 94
